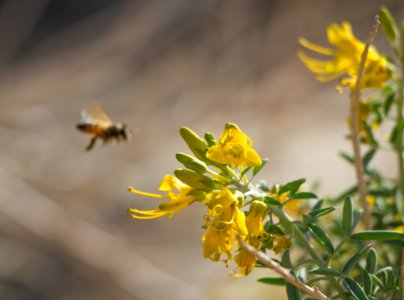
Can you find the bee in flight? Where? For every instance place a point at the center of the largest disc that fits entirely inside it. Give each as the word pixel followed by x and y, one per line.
pixel 95 121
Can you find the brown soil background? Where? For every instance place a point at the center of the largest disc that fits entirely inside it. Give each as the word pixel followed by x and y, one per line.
pixel 156 65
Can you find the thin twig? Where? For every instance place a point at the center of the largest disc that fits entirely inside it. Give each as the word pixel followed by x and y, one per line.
pixel 354 111
pixel 263 258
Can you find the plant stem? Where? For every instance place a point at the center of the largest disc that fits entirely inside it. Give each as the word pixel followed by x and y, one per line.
pixel 399 147
pixel 299 236
pixel 285 273
pixel 355 137
pixel 399 142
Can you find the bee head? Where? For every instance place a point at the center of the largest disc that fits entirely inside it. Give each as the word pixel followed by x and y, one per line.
pixel 124 131
pixel 83 126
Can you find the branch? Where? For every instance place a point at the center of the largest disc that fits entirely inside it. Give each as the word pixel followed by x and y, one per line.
pixel 354 111
pixel 263 258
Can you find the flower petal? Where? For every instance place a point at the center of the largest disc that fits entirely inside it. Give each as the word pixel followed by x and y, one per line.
pixel 252 158
pixel 316 48
pixel 145 214
pixel 215 153
pixel 132 190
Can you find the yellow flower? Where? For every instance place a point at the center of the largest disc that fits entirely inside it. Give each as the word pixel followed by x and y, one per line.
pixel 255 219
pixel 280 242
pixel 234 149
pixel 245 263
pixel 223 222
pixel 371 200
pixel 399 229
pixel 292 207
pixel 177 200
pixel 345 59
pixel 256 233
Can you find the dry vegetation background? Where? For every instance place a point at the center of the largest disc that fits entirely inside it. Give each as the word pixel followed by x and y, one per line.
pixel 156 65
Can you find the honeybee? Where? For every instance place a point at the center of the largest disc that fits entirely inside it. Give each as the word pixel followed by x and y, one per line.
pixel 95 121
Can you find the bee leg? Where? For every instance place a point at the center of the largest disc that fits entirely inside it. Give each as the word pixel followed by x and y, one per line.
pixel 91 143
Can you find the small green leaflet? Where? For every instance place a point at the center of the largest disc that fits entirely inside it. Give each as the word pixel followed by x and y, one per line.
pixel 355 289
pixel 291 186
pixel 272 280
pixel 377 235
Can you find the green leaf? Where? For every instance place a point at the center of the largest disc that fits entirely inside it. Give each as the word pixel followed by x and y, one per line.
pixel 303 195
pixel 315 213
pixel 263 186
pixel 367 283
pixel 377 281
pixel 326 272
pixel 383 273
pixel 347 193
pixel 388 103
pixel 244 172
pixel 192 163
pixel 210 139
pixel 347 216
pixel 259 168
pixel 291 186
pixel 370 134
pixel 355 259
pixel 368 156
pixel 286 260
pixel 318 204
pixel 309 261
pixel 371 261
pixel 388 25
pixel 396 132
pixel 271 201
pixel 307 219
pixel 357 215
pixel 347 157
pixel 292 292
pixel 321 237
pixel 381 192
pixel 272 228
pixel 272 280
pixel 355 289
pixel 377 235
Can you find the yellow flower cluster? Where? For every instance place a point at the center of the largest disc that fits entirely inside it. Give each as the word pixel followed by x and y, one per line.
pixel 345 59
pixel 224 192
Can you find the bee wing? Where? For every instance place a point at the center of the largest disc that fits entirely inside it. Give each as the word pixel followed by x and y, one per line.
pixel 94 113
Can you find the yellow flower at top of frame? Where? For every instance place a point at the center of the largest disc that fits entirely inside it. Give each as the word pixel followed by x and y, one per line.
pixel 345 59
pixel 177 193
pixel 234 149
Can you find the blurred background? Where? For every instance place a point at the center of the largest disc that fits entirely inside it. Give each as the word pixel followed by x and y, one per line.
pixel 155 65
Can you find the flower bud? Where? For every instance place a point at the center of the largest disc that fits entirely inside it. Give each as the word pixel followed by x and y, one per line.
pixel 192 163
pixel 195 143
pixel 195 180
